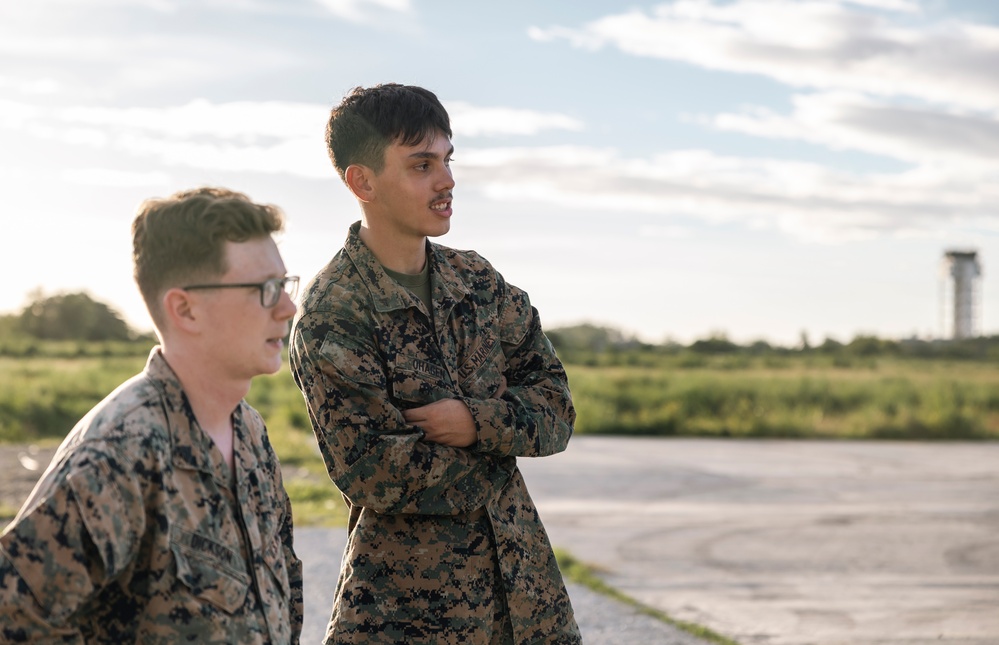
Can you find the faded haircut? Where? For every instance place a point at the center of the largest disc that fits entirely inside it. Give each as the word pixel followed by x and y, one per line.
pixel 181 239
pixel 368 120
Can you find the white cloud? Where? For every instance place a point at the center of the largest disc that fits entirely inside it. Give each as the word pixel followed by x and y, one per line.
pixel 270 137
pixel 925 95
pixel 910 133
pixel 115 178
pixel 802 199
pixel 363 10
pixel 815 44
pixel 242 120
pixel 37 86
pixel 805 200
pixel 890 5
pixel 667 232
pixel 472 121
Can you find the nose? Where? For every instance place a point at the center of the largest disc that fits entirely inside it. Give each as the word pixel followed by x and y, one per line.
pixel 446 180
pixel 285 308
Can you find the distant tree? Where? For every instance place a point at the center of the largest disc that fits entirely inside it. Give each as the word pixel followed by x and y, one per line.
pixel 717 343
pixel 9 324
pixel 588 337
pixel 863 345
pixel 830 346
pixel 72 316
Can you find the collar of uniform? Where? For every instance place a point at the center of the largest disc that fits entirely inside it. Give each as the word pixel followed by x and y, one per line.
pixel 445 272
pixel 191 447
pixel 386 293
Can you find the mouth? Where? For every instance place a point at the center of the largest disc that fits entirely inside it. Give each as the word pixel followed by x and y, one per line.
pixel 442 206
pixel 278 341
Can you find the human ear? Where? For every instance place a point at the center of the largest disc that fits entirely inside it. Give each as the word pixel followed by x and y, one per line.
pixel 358 179
pixel 179 310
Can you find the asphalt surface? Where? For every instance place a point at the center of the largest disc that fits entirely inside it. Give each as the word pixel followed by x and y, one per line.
pixel 765 542
pixel 788 542
pixel 601 621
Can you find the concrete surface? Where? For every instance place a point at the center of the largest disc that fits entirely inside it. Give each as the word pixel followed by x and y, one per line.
pixel 601 621
pixel 788 542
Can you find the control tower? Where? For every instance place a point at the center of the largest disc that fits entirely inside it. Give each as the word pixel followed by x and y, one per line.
pixel 964 270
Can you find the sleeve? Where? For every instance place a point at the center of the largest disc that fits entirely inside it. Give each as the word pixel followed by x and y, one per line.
pixel 534 417
pixel 79 531
pixel 22 620
pixel 374 457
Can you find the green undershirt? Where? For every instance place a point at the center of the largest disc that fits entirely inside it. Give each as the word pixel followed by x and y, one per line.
pixel 418 284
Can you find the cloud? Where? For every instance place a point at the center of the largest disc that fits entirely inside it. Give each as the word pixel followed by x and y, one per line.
pixel 111 47
pixel 811 44
pixel 802 199
pixel 269 137
pixel 276 137
pixel 364 10
pixel 241 120
pixel 849 121
pixel 883 80
pixel 805 200
pixel 473 121
pixel 30 86
pixel 115 178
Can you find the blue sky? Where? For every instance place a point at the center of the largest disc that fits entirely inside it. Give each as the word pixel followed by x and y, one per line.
pixel 757 168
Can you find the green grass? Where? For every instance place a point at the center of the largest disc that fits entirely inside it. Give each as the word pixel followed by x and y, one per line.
pixel 586 575
pixel 791 398
pixel 42 398
pixel 45 391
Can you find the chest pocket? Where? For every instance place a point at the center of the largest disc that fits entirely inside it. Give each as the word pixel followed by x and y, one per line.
pixel 482 371
pixel 212 571
pixel 415 381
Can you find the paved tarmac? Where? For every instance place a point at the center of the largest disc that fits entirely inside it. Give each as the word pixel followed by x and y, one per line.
pixel 601 621
pixel 788 542
pixel 766 542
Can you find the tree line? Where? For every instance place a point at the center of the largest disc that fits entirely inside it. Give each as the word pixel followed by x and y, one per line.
pixel 81 318
pixel 67 316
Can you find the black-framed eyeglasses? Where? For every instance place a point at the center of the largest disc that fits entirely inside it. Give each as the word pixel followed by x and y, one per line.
pixel 270 290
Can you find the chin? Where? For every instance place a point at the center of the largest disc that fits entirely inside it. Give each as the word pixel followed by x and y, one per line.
pixel 271 366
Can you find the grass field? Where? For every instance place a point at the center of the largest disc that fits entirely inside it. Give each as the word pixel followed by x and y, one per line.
pixel 42 395
pixel 889 398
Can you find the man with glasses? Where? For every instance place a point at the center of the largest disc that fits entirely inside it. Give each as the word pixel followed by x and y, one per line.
pixel 163 516
pixel 426 375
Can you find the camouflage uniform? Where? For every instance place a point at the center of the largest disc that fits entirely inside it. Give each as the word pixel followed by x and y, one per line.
pixel 444 544
pixel 137 533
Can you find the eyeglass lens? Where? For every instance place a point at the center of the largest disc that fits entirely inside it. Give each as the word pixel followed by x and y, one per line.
pixel 272 290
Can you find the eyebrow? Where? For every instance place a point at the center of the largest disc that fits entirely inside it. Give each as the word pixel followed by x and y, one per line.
pixel 427 154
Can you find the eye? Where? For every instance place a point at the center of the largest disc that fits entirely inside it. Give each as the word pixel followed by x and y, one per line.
pixel 423 166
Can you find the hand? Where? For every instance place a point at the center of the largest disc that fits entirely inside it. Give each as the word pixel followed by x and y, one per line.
pixel 447 422
pixel 501 389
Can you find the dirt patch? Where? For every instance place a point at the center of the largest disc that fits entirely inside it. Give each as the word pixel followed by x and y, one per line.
pixel 20 467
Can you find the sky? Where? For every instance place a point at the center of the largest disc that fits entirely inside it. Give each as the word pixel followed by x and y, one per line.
pixel 759 169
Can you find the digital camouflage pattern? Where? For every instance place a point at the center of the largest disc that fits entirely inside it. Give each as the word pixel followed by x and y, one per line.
pixel 137 534
pixel 444 544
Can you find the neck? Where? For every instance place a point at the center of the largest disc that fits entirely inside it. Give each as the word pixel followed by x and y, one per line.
pixel 213 398
pixel 404 254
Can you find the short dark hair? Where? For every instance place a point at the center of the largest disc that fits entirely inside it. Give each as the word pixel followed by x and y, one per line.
pixel 181 239
pixel 368 120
